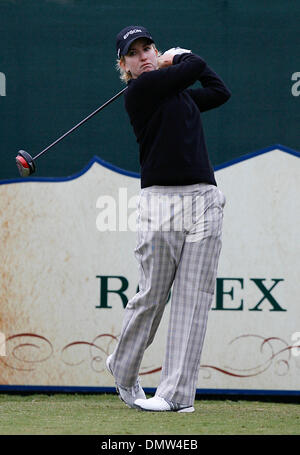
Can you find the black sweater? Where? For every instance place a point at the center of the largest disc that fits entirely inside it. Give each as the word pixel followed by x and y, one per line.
pixel 165 115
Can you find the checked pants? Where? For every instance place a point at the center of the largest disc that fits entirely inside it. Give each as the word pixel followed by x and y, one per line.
pixel 179 244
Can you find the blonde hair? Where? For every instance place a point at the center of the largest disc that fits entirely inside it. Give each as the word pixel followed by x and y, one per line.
pixel 125 76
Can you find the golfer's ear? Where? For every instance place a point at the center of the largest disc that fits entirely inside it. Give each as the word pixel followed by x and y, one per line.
pixel 122 64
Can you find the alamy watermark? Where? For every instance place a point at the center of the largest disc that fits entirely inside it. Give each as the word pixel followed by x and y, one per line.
pixel 2 84
pixel 2 345
pixel 114 214
pixel 296 86
pixel 148 212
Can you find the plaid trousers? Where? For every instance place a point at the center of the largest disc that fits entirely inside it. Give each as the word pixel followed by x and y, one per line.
pixel 179 244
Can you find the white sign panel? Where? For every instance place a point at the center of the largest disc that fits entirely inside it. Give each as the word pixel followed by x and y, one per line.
pixel 68 270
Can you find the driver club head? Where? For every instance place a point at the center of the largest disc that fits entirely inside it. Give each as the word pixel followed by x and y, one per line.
pixel 25 163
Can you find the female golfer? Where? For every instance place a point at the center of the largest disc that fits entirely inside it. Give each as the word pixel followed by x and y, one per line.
pixel 180 217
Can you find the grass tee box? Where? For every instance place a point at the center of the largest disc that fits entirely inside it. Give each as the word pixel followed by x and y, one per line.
pixel 106 415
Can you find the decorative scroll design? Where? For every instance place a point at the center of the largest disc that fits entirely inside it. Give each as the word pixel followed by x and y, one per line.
pixel 98 350
pixel 27 350
pixel 36 350
pixel 278 358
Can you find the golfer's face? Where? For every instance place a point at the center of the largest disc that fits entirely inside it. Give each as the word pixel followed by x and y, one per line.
pixel 141 57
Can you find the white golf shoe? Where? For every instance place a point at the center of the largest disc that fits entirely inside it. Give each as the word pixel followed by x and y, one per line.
pixel 127 394
pixel 160 404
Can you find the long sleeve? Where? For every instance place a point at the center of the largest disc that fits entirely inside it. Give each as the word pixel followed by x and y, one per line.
pixel 213 93
pixel 166 117
pixel 153 86
pixel 186 69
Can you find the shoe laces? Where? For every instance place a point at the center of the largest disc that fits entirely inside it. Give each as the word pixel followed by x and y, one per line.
pixel 133 389
pixel 136 386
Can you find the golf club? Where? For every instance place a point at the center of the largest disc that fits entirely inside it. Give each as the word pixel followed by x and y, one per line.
pixel 26 163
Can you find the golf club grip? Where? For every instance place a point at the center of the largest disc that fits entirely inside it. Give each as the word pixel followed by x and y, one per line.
pixel 81 123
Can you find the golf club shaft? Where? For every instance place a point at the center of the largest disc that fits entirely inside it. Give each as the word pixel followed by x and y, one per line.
pixel 80 123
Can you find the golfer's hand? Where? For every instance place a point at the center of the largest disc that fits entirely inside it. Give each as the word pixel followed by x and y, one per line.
pixel 166 59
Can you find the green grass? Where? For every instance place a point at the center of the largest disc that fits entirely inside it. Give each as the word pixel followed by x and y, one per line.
pixel 65 414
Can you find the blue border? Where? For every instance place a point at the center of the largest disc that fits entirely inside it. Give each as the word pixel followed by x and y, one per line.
pixel 248 156
pixel 150 390
pixel 136 175
pixel 95 159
